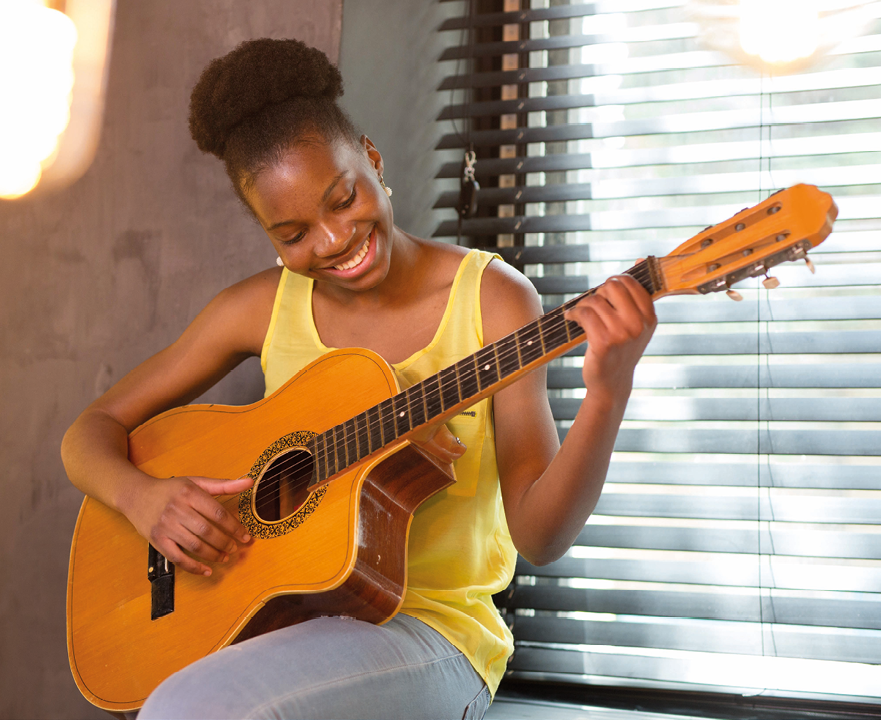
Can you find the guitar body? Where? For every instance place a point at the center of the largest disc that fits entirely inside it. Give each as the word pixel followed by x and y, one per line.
pixel 343 551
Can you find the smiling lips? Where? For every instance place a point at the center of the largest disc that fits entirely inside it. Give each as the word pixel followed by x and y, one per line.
pixel 359 263
pixel 356 261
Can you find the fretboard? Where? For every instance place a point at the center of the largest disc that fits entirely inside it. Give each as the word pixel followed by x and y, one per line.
pixel 441 396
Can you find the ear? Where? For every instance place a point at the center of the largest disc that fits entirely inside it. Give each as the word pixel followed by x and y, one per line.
pixel 373 155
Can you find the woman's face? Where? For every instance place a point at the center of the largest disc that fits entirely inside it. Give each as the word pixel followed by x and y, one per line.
pixel 326 213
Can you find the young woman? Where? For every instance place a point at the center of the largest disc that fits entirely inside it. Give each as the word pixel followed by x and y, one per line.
pixel 349 277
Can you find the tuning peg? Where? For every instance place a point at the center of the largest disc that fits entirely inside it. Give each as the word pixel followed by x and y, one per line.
pixel 810 266
pixel 734 295
pixel 770 283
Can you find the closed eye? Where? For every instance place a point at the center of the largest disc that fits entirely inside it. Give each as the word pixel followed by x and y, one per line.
pixel 294 240
pixel 348 201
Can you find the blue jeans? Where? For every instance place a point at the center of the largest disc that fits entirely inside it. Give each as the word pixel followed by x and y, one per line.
pixel 328 668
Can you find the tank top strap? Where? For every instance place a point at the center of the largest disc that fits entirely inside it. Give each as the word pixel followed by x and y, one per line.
pixel 291 341
pixel 460 332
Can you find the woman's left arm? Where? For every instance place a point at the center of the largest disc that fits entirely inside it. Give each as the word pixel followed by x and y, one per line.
pixel 549 491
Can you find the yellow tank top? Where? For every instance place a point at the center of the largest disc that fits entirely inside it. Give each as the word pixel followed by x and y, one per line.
pixel 460 552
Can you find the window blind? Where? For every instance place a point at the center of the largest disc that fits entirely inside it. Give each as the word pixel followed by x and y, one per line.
pixel 736 547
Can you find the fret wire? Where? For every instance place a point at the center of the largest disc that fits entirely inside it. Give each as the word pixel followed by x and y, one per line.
pixel 374 429
pixel 339 447
pixel 415 405
pixel 327 472
pixel 332 453
pixel 317 459
pixel 341 434
pixel 466 370
pixel 351 442
pixel 425 413
pixel 529 349
pixel 328 456
pixel 387 421
pixel 487 367
pixel 432 397
pixel 363 435
pixel 541 334
pixel 402 414
pixel 554 332
pixel 509 355
pixel 449 387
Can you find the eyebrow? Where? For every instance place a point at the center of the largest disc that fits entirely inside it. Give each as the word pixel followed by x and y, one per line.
pixel 324 197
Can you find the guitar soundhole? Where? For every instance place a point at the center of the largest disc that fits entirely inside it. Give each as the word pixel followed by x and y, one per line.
pixel 284 486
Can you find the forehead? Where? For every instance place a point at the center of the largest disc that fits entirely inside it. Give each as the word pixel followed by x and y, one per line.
pixel 295 186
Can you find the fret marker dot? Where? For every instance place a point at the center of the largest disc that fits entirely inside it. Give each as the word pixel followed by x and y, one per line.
pixel 402 414
pixel 529 343
pixel 486 367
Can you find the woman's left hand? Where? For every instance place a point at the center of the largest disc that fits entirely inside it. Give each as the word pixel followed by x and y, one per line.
pixel 618 320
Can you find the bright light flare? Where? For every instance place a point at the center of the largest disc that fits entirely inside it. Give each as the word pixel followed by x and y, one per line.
pixel 36 80
pixel 779 31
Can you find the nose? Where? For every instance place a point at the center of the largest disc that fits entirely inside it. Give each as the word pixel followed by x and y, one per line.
pixel 334 238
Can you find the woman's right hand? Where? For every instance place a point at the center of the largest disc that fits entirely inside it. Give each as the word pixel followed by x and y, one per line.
pixel 181 519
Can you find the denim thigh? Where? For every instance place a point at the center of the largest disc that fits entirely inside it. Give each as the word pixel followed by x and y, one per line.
pixel 328 668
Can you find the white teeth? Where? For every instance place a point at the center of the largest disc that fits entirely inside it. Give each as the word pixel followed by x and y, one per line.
pixel 355 261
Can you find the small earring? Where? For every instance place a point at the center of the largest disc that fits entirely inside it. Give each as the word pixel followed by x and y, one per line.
pixel 388 190
pixel 279 262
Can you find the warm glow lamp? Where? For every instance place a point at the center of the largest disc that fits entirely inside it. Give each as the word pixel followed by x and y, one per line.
pixel 52 77
pixel 780 36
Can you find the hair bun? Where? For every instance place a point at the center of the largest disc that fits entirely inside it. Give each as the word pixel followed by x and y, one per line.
pixel 256 75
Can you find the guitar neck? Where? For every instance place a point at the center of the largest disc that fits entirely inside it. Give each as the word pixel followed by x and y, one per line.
pixel 445 394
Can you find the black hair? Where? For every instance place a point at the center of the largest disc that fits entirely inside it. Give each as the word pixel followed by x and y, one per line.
pixel 266 96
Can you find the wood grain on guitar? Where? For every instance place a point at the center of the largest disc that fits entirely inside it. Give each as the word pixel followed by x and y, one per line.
pixel 337 479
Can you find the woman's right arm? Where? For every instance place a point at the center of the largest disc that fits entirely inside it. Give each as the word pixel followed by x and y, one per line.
pixel 178 516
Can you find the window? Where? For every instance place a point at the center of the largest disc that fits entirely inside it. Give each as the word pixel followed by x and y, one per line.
pixel 737 545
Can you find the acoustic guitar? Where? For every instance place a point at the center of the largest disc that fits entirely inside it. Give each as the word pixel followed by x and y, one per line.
pixel 336 478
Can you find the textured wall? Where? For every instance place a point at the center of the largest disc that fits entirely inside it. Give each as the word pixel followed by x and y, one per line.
pixel 391 94
pixel 96 278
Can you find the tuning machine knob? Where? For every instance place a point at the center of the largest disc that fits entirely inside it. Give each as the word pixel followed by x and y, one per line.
pixel 770 283
pixel 734 295
pixel 810 266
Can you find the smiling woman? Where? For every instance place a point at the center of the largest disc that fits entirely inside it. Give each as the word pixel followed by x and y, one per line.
pixel 350 278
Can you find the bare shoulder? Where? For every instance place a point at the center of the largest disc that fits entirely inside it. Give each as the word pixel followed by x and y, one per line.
pixel 507 300
pixel 444 258
pixel 242 311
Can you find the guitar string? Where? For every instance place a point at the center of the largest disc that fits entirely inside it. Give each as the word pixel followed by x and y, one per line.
pixel 640 272
pixel 555 320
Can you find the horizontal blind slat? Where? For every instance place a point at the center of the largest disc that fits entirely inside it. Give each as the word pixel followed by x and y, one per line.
pixel 842 610
pixel 702 636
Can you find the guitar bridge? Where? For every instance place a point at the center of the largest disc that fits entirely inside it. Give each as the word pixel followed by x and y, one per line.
pixel 160 573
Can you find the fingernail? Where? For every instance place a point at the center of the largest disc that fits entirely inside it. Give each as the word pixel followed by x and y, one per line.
pixel 246 538
pixel 207 573
pixel 225 558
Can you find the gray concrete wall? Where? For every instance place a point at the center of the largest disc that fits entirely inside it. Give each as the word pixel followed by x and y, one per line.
pixel 95 278
pixel 389 61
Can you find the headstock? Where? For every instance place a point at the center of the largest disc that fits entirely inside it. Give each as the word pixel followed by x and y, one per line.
pixel 782 228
